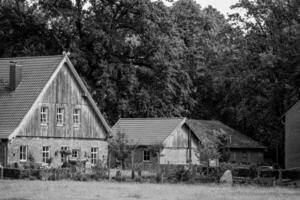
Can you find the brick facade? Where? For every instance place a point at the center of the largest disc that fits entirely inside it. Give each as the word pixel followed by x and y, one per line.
pixel 35 146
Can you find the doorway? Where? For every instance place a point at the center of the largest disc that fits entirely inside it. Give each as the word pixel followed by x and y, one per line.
pixel 2 153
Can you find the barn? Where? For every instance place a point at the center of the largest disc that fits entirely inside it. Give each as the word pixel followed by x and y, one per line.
pixel 178 141
pixel 292 137
pixel 242 149
pixel 47 113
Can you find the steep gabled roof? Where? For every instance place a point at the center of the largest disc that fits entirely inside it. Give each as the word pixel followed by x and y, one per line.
pixel 147 131
pixel 36 75
pixel 207 127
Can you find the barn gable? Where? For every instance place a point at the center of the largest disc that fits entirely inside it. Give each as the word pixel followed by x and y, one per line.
pixel 178 140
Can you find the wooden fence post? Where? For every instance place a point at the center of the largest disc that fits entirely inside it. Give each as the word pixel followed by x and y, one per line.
pixel 109 160
pixel 1 172
pixel 280 176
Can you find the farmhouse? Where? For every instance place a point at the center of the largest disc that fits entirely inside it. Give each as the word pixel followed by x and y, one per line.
pixel 292 137
pixel 242 149
pixel 47 113
pixel 178 141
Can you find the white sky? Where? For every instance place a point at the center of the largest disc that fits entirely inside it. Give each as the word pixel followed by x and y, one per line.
pixel 222 5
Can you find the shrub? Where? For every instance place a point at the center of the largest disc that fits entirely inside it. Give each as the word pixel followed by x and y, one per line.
pixel 100 170
pixel 11 173
pixel 67 164
pixel 81 177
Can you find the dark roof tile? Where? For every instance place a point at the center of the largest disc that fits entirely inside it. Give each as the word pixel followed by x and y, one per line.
pixel 36 71
pixel 146 131
pixel 206 128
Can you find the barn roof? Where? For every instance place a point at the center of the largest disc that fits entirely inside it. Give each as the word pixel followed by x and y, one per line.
pixel 147 131
pixel 206 128
pixel 36 72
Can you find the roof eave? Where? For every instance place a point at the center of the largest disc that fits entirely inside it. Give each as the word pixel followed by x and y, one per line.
pixel 17 129
pixel 89 97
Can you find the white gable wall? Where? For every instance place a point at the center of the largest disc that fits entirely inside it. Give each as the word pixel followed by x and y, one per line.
pixel 176 147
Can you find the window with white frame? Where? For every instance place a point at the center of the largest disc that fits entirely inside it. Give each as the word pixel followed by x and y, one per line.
pixel 75 153
pixel 23 153
pixel 94 155
pixel 64 153
pixel 146 155
pixel 59 116
pixel 44 115
pixel 76 116
pixel 46 153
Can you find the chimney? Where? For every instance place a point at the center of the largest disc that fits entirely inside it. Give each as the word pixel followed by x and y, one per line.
pixel 15 75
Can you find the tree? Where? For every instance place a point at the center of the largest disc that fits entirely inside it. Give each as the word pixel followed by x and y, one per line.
pixel 207 150
pixel 264 85
pixel 121 148
pixel 213 146
pixel 140 58
pixel 23 31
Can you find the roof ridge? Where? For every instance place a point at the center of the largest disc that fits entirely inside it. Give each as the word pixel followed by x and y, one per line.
pixel 32 57
pixel 206 120
pixel 153 118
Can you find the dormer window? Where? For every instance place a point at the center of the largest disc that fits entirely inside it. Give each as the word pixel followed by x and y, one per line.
pixel 59 116
pixel 76 116
pixel 44 115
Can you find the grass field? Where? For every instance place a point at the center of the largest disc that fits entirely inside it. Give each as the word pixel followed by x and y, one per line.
pixel 67 190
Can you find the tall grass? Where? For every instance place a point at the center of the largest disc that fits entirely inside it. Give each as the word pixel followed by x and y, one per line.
pixel 67 190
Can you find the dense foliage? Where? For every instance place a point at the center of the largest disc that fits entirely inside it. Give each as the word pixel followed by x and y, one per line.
pixel 140 58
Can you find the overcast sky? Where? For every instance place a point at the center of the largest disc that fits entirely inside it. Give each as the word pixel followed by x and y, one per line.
pixel 222 5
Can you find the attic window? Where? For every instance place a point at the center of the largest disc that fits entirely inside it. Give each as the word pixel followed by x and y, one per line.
pixel 44 115
pixel 59 116
pixel 76 116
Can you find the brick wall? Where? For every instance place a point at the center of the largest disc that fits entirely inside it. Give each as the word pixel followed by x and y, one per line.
pixel 35 146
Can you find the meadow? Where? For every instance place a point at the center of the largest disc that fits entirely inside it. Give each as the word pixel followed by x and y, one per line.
pixel 71 190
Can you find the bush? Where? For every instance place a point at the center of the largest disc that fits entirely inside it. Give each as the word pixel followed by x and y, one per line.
pixel 100 170
pixel 11 173
pixel 81 177
pixel 32 174
pixel 67 164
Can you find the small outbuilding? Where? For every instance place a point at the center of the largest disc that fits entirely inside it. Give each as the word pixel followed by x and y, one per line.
pixel 178 141
pixel 242 149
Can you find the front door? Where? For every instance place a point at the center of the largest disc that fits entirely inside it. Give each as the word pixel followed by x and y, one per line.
pixel 2 154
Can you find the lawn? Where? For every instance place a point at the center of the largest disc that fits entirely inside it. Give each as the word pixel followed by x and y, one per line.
pixel 67 190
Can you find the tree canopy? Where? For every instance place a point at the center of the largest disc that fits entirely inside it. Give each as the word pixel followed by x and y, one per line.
pixel 141 58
